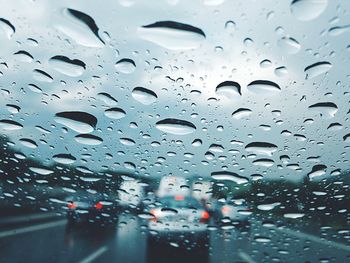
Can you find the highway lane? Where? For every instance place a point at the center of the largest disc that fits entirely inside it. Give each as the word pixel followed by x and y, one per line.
pixel 53 241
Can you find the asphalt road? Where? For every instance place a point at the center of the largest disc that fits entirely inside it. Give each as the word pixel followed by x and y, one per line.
pixel 52 241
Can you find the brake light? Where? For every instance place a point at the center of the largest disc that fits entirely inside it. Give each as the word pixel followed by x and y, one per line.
pixel 225 209
pixel 153 212
pixel 205 215
pixel 179 197
pixel 72 205
pixel 154 218
pixel 98 205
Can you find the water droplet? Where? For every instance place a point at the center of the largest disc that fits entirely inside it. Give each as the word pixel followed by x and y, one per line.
pixel 289 45
pixel 317 170
pixel 81 28
pixel 28 143
pixel 317 69
pixel 13 108
pixel 281 71
pixel 127 141
pixel 42 171
pixel 266 63
pixel 10 125
pixel 125 66
pixel 264 87
pixel 334 127
pixel 197 143
pixel 230 26
pixel 338 30
pixel 34 88
pixel 146 215
pixel 306 10
pixel 264 162
pixel 176 126
pixel 144 96
pixel 229 89
pixel 42 76
pixel 130 166
pixel 66 66
pixel 88 139
pixel 268 207
pixel 229 176
pixel 7 28
pixel 346 138
pixel 241 113
pixel 172 35
pixel 325 109
pixel 78 121
pixel 24 56
pixel 115 113
pixel 293 215
pixel 216 148
pixel 107 99
pixel 90 179
pixel 261 148
pixel 261 239
pixel 64 158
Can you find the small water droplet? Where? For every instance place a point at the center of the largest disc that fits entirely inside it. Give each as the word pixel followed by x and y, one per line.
pixel 144 96
pixel 66 66
pixel 325 109
pixel 229 89
pixel 261 148
pixel 64 158
pixel 176 126
pixel 264 87
pixel 264 162
pixel 241 113
pixel 7 28
pixel 289 45
pixel 317 69
pixel 40 170
pixel 88 139
pixel 125 66
pixel 229 176
pixel 10 125
pixel 42 76
pixel 115 113
pixel 107 99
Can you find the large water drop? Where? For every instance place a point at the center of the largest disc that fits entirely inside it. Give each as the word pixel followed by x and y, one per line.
pixel 176 126
pixel 172 35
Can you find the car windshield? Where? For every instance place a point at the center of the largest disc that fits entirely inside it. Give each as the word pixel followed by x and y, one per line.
pixel 115 113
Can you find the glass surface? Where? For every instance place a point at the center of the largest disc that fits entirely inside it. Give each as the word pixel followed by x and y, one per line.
pixel 108 107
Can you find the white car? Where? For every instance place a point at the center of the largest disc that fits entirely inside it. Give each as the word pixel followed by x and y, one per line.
pixel 179 218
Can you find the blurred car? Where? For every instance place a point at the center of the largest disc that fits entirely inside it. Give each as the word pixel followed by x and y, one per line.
pixel 213 207
pixel 179 220
pixel 130 193
pixel 92 208
pixel 235 213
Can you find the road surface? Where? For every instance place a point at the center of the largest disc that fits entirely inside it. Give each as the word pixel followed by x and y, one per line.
pixel 52 241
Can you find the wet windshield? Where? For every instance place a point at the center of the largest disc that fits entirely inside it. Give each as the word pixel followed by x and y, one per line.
pixel 113 109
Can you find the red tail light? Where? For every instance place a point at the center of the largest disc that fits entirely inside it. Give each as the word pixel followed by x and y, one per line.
pixel 153 212
pixel 179 197
pixel 225 209
pixel 98 205
pixel 205 216
pixel 72 205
